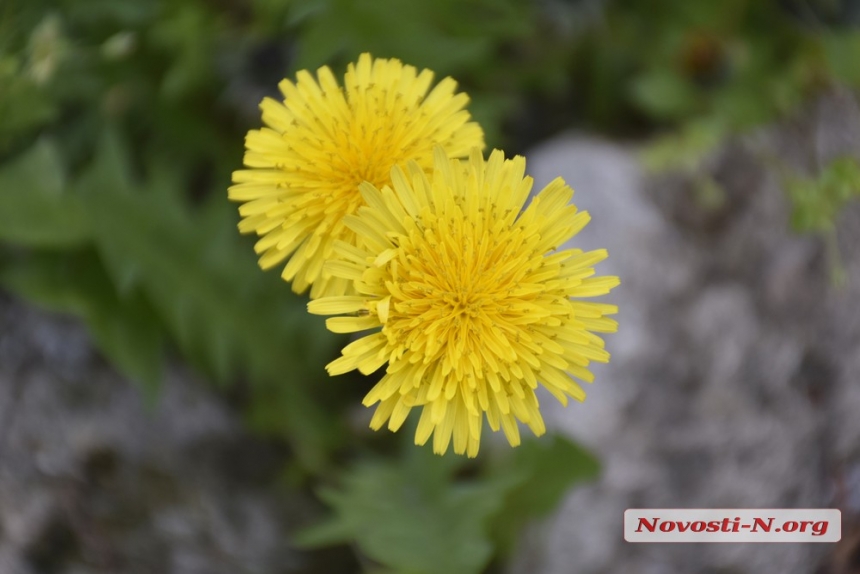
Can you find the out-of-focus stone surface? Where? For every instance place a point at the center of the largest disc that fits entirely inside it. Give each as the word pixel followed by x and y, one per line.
pixel 92 480
pixel 735 376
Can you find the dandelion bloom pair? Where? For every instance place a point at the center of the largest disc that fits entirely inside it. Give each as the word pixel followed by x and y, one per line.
pixel 379 198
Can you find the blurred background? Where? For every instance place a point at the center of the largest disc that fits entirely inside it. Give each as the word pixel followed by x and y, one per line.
pixel 163 403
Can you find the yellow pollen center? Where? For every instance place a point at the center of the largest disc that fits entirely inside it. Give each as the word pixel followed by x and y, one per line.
pixel 451 292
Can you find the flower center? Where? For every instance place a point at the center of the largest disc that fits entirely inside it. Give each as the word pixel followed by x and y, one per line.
pixel 457 287
pixel 463 303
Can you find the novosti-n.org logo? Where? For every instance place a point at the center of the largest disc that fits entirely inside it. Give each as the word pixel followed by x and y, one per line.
pixel 732 525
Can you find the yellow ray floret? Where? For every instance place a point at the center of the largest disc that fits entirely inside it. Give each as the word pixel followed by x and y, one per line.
pixel 322 141
pixel 472 303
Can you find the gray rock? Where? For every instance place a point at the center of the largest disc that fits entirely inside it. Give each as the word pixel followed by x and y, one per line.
pixel 93 480
pixel 734 376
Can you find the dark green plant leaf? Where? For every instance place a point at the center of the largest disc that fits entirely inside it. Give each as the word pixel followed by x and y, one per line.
pixel 546 469
pixel 394 28
pixel 23 104
pixel 665 95
pixel 35 208
pixel 414 515
pixel 222 310
pixel 411 515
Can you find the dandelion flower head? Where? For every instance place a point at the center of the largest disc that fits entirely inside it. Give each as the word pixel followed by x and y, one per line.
pixel 322 141
pixel 474 305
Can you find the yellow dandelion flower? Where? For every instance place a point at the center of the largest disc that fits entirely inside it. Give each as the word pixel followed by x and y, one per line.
pixel 476 306
pixel 322 141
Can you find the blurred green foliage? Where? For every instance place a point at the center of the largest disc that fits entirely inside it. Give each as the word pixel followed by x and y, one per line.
pixel 817 201
pixel 710 70
pixel 416 515
pixel 120 123
pixel 727 65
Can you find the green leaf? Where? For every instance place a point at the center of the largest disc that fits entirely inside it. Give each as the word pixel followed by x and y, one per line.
pixel 394 28
pixel 816 202
pixel 412 516
pixel 553 464
pixel 35 209
pixel 546 469
pixel 23 104
pixel 226 315
pixel 125 330
pixel 665 94
pixel 842 52
pixel 186 31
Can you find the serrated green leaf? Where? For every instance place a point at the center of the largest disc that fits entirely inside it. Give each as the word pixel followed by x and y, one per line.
pixel 221 309
pixel 412 516
pixel 35 209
